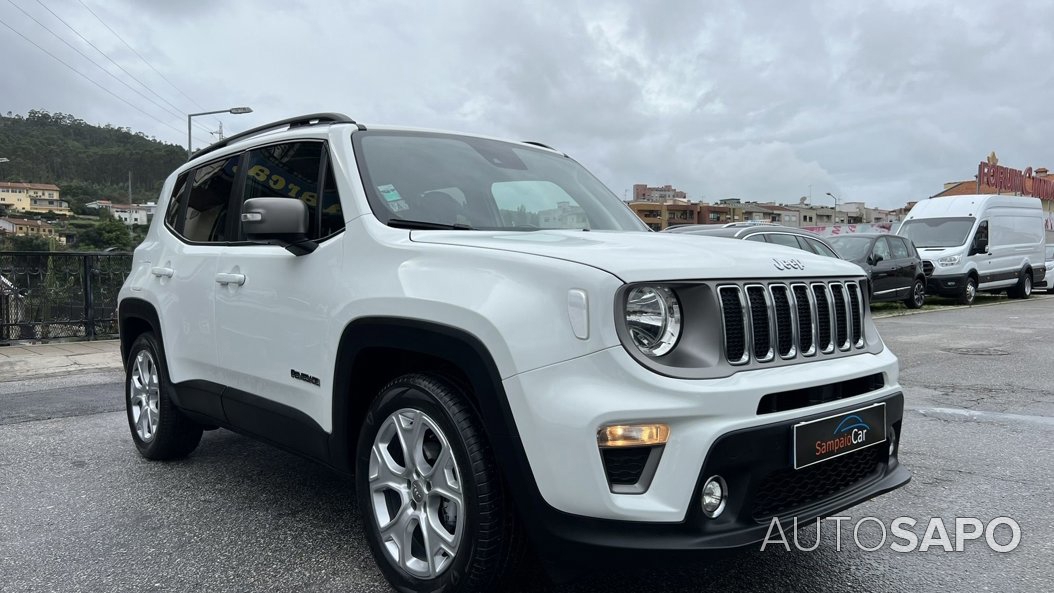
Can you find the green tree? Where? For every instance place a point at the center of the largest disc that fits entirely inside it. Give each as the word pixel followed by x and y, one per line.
pixel 27 243
pixel 109 233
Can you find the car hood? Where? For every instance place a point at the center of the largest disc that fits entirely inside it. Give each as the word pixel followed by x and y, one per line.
pixel 644 256
pixel 933 253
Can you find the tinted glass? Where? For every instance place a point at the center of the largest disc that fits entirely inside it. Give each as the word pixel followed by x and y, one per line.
pixel 176 201
pixel 210 195
pixel 756 237
pixel 483 184
pixel 820 248
pixel 286 171
pixel 900 250
pixel 332 214
pixel 937 232
pixel 881 249
pixel 854 248
pixel 783 239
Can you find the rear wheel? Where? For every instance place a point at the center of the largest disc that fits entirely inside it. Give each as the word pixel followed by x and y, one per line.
pixel 1023 288
pixel 159 430
pixel 436 514
pixel 917 296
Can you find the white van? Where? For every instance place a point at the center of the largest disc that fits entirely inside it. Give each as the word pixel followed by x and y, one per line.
pixel 982 242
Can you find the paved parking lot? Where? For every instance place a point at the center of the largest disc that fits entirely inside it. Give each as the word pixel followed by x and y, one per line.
pixel 80 511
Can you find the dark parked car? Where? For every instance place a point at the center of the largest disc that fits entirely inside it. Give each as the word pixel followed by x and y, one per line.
pixel 764 233
pixel 892 263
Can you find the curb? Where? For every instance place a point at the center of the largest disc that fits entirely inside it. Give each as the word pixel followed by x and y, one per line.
pixel 905 313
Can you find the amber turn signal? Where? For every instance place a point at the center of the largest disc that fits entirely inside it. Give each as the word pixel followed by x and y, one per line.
pixel 633 435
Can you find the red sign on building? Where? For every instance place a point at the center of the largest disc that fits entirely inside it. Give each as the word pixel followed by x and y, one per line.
pixel 1007 180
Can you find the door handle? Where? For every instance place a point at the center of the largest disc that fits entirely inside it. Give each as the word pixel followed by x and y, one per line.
pixel 225 279
pixel 162 272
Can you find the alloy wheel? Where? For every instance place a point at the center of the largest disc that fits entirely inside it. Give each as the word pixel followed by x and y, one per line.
pixel 416 493
pixel 920 294
pixel 971 290
pixel 145 392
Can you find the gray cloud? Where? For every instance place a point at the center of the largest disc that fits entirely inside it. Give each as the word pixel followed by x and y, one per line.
pixel 882 101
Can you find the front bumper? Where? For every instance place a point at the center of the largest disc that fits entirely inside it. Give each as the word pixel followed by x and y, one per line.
pixel 751 461
pixel 716 427
pixel 949 285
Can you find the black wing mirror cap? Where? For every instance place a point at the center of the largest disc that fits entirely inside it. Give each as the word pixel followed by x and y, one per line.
pixel 278 221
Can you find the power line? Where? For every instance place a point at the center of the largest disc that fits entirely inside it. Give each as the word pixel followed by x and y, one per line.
pixel 112 61
pixel 86 77
pixel 94 63
pixel 138 55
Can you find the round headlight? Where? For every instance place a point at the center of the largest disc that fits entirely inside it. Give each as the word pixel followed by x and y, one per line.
pixel 653 319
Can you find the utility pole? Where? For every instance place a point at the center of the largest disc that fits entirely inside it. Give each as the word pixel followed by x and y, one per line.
pixel 219 134
pixel 129 221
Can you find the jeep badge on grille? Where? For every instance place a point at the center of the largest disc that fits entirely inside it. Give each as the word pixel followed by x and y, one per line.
pixel 788 264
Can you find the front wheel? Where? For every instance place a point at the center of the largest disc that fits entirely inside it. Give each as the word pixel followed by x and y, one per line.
pixel 917 296
pixel 436 515
pixel 159 430
pixel 969 291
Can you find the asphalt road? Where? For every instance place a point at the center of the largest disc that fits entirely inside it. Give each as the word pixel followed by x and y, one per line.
pixel 81 511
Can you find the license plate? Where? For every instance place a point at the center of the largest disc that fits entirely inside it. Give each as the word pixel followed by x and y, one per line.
pixel 819 440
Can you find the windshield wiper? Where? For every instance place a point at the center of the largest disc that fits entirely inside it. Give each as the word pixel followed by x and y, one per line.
pixel 402 223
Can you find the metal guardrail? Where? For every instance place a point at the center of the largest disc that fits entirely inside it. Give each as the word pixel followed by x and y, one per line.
pixel 46 295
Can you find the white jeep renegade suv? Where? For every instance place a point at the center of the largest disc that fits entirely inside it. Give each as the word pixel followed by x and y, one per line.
pixel 499 351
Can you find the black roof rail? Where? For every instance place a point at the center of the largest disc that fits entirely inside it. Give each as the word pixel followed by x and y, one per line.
pixel 532 142
pixel 290 123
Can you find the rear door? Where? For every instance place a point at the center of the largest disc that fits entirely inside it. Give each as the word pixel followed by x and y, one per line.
pixel 182 274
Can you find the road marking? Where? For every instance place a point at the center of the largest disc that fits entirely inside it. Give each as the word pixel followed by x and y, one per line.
pixel 980 416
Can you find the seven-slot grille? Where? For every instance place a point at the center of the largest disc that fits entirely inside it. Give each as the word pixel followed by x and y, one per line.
pixel 766 322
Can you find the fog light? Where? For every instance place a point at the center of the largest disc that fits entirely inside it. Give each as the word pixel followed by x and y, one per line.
pixel 633 435
pixel 715 494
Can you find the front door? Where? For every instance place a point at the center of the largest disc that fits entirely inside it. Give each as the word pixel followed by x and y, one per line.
pixel 274 309
pixel 905 265
pixel 883 270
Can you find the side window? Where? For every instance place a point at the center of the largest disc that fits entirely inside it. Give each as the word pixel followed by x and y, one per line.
pixel 803 244
pixel 175 203
pixel 760 238
pixel 820 248
pixel 882 249
pixel 781 239
pixel 287 171
pixel 900 250
pixel 210 195
pixel 332 215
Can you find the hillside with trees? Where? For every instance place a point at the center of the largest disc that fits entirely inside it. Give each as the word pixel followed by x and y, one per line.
pixel 87 162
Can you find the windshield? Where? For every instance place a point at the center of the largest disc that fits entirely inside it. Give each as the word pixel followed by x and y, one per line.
pixel 427 180
pixel 937 232
pixel 851 247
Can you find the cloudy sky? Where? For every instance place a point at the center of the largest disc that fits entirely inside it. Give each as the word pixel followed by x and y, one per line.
pixel 881 101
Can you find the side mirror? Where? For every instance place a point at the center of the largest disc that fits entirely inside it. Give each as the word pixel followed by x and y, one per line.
pixel 875 258
pixel 979 247
pixel 278 221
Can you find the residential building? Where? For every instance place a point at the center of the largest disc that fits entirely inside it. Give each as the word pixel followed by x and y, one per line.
pixel 643 193
pixel 130 214
pixel 21 227
pixel 99 205
pixel 31 197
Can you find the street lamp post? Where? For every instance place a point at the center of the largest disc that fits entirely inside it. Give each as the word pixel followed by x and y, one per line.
pixel 835 205
pixel 234 110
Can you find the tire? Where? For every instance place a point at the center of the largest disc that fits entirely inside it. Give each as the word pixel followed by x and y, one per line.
pixel 968 292
pixel 917 296
pixel 446 440
pixel 1023 288
pixel 159 430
